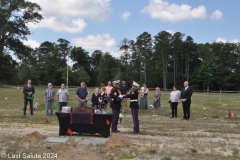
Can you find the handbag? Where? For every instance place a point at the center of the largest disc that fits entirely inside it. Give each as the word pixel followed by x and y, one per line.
pixel 30 97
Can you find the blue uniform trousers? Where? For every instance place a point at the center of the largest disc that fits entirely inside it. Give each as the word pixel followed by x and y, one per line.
pixel 135 119
pixel 115 119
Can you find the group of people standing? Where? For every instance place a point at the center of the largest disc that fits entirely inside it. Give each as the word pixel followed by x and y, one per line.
pixel 110 95
pixel 49 96
pixel 117 99
pixel 185 95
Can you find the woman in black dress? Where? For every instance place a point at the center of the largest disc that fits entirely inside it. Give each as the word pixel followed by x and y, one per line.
pixel 102 100
pixel 94 99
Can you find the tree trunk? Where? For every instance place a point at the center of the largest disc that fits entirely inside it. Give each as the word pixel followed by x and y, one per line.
pixel 174 69
pixel 145 72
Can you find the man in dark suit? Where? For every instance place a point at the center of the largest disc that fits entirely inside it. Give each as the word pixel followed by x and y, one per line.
pixel 186 95
pixel 28 91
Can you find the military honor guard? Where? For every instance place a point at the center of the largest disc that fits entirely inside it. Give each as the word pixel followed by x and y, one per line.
pixel 115 105
pixel 133 95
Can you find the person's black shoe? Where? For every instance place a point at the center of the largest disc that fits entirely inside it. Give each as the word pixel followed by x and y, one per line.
pixel 116 131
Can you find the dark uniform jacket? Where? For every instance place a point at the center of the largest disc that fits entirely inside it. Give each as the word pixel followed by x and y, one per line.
pixel 116 102
pixel 186 94
pixel 133 95
pixel 26 89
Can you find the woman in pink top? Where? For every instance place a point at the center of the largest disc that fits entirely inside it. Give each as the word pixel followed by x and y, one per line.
pixel 108 92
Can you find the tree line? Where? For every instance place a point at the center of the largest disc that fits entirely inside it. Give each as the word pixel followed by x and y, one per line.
pixel 158 60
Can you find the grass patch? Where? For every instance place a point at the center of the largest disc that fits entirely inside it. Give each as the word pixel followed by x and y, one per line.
pixel 158 135
pixel 152 151
pixel 235 152
pixel 193 150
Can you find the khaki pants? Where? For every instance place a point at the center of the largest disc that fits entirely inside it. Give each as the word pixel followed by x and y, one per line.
pixel 81 104
pixel 124 105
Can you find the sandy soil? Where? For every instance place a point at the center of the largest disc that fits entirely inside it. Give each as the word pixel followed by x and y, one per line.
pixel 166 139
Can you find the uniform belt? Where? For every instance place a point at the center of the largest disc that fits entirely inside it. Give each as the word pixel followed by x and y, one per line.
pixel 134 100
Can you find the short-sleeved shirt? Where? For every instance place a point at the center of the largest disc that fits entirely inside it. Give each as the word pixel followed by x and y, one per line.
pixel 62 95
pixel 157 103
pixel 108 89
pixel 123 90
pixel 81 92
pixel 49 93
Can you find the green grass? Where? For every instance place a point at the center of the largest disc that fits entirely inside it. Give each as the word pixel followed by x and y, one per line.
pixel 209 133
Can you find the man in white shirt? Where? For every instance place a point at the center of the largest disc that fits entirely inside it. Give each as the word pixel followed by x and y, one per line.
pixel 62 97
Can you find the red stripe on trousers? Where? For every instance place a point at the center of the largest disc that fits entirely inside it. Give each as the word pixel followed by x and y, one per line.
pixel 134 120
pixel 113 128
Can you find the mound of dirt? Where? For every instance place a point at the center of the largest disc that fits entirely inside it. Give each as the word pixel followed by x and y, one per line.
pixel 117 141
pixel 32 137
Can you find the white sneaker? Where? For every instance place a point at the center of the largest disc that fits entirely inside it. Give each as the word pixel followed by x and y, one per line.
pixel 153 115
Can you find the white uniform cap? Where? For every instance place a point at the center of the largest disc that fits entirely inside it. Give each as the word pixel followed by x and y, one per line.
pixel 135 84
pixel 116 82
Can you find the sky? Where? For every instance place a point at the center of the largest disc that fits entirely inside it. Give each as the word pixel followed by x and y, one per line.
pixel 103 24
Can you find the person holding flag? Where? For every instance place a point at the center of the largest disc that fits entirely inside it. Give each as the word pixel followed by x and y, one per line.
pixel 115 105
pixel 134 106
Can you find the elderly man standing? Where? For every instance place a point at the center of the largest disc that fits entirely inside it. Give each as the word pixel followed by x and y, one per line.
pixel 62 97
pixel 81 95
pixel 186 95
pixel 49 95
pixel 108 92
pixel 28 91
pixel 115 105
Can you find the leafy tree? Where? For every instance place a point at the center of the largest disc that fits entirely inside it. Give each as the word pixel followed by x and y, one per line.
pixel 205 72
pixel 94 63
pixel 82 75
pixel 125 57
pixel 144 49
pixel 80 58
pixel 7 69
pixel 63 47
pixel 162 48
pixel 15 17
pixel 107 69
pixel 177 56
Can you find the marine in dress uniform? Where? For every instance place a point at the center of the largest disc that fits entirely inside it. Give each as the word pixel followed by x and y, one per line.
pixel 134 106
pixel 115 105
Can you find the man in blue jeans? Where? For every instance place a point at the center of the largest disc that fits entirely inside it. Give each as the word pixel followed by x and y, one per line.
pixel 49 95
pixel 62 97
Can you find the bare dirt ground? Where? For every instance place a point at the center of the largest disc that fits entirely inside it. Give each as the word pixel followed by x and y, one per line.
pixel 162 138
